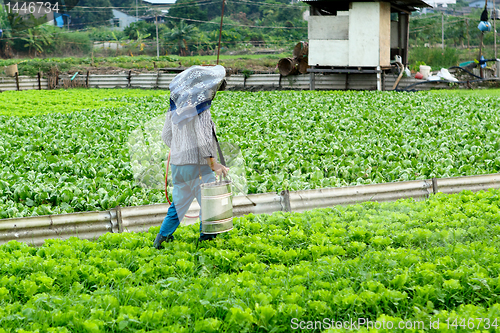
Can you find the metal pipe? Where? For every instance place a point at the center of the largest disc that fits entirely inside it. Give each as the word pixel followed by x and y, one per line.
pixel 220 31
pixel 495 28
pixel 141 218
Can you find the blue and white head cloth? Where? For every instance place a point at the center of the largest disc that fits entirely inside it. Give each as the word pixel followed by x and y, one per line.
pixel 192 92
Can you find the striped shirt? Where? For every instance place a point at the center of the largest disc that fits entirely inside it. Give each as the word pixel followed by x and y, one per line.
pixel 192 143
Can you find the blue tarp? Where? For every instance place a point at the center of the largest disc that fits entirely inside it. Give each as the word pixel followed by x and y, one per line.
pixel 59 20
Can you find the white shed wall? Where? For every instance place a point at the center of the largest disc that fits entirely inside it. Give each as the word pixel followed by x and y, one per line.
pixel 328 27
pixel 364 33
pixel 328 53
pixel 361 39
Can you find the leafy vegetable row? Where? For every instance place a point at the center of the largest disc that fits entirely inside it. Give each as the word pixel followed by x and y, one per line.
pixel 421 261
pixel 35 102
pixel 80 161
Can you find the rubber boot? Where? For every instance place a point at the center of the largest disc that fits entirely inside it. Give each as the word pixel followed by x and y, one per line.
pixel 160 239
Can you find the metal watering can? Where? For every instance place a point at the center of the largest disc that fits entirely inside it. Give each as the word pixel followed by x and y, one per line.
pixel 217 202
pixel 217 207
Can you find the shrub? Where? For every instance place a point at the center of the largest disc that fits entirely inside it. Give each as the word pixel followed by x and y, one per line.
pixel 434 57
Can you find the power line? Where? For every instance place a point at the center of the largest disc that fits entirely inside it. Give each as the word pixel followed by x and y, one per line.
pixel 236 25
pixel 200 2
pixel 109 7
pixel 270 4
pixel 99 10
pixel 421 28
pixel 149 9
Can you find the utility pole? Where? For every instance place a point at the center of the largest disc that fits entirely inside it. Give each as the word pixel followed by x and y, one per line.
pixel 136 11
pixel 442 30
pixel 468 36
pixel 495 28
pixel 157 42
pixel 220 31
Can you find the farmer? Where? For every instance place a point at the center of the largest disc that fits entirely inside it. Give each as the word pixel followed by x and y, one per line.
pixel 190 133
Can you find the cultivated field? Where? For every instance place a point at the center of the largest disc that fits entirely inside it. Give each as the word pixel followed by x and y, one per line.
pixel 403 263
pixel 66 151
pixel 404 266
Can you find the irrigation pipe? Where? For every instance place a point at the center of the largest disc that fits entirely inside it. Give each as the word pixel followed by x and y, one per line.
pixel 465 70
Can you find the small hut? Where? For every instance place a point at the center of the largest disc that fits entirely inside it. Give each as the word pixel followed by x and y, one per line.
pixel 354 37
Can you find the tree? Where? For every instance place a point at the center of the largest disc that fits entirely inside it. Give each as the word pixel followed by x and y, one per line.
pixel 36 39
pixel 185 9
pixel 143 27
pixel 202 43
pixel 138 42
pixel 97 14
pixel 180 34
pixel 5 42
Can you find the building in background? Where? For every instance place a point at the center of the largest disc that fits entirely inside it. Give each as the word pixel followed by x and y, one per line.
pixel 358 37
pixel 122 20
pixel 480 4
pixel 442 3
pixel 161 5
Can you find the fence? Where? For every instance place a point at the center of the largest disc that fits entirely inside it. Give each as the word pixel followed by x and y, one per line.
pixel 90 225
pixel 161 80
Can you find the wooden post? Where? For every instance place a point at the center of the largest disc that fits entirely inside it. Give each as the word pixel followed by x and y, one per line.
pixel 17 80
pixel 407 38
pixel 87 79
pixel 157 42
pixel 468 36
pixel 400 35
pixel 442 31
pixel 39 81
pixel 129 78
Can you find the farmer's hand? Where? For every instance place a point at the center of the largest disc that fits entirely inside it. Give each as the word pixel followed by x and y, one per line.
pixel 218 168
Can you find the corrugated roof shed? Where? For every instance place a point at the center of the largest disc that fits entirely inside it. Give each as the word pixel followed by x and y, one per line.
pixel 330 6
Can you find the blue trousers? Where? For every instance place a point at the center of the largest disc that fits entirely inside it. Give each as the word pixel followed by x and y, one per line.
pixel 187 180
